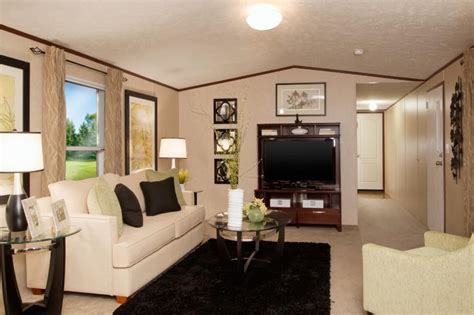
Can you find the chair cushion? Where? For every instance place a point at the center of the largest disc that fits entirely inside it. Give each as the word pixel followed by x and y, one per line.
pixel 154 176
pixel 136 244
pixel 186 219
pixel 160 196
pixel 427 251
pixel 131 212
pixel 102 200
pixel 132 181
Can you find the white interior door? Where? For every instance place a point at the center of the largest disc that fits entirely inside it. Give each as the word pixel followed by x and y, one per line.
pixel 435 159
pixel 370 151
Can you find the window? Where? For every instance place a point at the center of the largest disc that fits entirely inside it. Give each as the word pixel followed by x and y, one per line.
pixel 84 130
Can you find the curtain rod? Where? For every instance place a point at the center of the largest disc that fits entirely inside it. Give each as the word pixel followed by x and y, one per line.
pixel 37 51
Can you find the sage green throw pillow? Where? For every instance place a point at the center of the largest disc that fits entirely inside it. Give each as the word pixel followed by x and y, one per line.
pixel 154 176
pixel 103 200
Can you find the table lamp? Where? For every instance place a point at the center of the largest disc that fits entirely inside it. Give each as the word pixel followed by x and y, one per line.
pixel 173 148
pixel 20 152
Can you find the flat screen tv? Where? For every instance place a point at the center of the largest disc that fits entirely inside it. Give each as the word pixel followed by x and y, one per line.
pixel 299 160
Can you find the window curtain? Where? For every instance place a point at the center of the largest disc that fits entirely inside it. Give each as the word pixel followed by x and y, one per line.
pixel 468 125
pixel 53 118
pixel 113 159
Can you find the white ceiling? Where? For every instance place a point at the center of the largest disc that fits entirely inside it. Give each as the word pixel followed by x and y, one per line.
pixel 189 42
pixel 383 94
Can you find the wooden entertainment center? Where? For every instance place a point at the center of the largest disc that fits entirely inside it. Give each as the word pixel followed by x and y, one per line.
pixel 322 200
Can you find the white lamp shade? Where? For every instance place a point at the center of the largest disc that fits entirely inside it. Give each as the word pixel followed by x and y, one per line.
pixel 21 152
pixel 173 148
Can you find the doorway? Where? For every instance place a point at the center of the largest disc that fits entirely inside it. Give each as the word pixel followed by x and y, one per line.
pixel 435 158
pixel 370 151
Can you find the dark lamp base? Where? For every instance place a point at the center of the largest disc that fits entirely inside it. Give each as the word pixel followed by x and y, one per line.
pixel 14 214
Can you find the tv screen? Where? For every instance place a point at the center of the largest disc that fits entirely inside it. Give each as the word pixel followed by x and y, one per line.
pixel 299 160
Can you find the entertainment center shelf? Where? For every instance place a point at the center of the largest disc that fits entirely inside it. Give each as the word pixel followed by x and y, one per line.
pixel 312 195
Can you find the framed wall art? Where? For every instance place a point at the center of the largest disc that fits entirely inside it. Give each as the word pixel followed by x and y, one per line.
pixel 221 171
pixel 225 141
pixel 141 132
pixel 225 111
pixel 14 110
pixel 304 99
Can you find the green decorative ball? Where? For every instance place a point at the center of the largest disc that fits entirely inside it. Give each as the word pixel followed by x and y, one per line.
pixel 255 215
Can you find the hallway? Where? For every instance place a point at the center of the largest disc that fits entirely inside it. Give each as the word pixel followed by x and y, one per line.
pixel 384 222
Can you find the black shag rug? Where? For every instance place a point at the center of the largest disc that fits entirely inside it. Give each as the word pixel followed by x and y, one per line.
pixel 202 284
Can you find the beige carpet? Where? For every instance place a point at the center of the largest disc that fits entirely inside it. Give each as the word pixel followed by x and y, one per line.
pixel 381 221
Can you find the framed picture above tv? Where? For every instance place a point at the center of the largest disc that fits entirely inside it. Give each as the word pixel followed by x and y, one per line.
pixel 304 99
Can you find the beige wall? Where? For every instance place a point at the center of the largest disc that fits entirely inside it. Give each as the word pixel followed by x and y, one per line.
pixel 405 153
pixel 256 102
pixel 18 47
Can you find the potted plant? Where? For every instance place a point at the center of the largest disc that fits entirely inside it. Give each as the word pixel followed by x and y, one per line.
pixel 183 177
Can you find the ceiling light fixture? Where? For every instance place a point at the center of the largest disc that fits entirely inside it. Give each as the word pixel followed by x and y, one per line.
pixel 373 106
pixel 263 17
pixel 358 52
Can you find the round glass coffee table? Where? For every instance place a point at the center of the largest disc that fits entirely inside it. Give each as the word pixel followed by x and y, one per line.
pixel 53 295
pixel 273 223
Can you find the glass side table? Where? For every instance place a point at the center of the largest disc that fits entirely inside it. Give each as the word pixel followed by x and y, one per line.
pixel 275 222
pixel 53 296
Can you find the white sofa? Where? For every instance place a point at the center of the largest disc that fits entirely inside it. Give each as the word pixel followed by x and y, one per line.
pixel 100 262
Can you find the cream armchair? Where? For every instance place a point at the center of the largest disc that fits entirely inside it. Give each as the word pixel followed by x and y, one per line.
pixel 435 279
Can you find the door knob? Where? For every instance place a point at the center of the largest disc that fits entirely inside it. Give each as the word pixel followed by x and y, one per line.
pixel 439 163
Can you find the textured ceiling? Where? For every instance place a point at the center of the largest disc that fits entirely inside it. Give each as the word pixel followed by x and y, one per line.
pixel 184 43
pixel 383 94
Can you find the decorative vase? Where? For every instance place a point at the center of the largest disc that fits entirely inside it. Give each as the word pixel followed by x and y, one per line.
pixel 235 208
pixel 182 187
pixel 255 215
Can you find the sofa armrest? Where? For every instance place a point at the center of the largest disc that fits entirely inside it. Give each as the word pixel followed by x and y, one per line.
pixel 88 256
pixel 444 241
pixel 401 282
pixel 188 196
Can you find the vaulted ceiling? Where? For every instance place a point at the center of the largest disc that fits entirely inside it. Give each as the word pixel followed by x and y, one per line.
pixel 188 42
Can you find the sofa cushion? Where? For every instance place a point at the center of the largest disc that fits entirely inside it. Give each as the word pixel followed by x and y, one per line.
pixel 136 244
pixel 131 212
pixel 154 176
pixel 132 181
pixel 103 201
pixel 427 251
pixel 186 219
pixel 74 193
pixel 160 196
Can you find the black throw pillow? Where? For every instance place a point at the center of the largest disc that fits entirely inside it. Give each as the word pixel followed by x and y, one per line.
pixel 160 196
pixel 131 212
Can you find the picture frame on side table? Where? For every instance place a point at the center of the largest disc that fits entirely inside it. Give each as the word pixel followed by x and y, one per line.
pixel 304 99
pixel 60 215
pixel 225 111
pixel 14 110
pixel 141 132
pixel 33 216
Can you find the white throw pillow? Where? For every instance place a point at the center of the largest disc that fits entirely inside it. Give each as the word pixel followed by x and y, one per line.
pixel 132 181
pixel 74 193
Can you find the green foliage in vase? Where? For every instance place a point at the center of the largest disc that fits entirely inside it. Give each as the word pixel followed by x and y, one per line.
pixel 233 163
